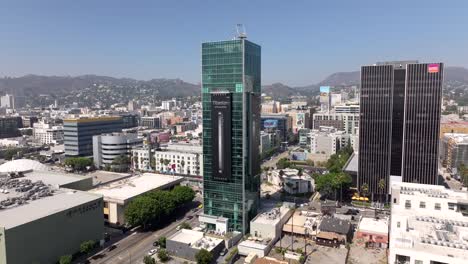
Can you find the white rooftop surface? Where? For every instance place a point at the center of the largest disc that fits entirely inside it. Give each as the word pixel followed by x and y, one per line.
pixel 23 165
pixel 372 225
pixel 53 178
pixel 271 217
pixel 103 177
pixel 187 236
pixel 61 200
pixel 253 244
pixel 424 238
pixel 196 239
pixel 128 188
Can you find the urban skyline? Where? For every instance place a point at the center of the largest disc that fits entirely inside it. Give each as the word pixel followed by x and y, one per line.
pixel 132 41
pixel 365 167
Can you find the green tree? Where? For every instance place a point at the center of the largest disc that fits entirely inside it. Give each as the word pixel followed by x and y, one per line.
pixel 365 189
pixel 463 172
pixel 162 255
pixel 182 166
pixel 283 163
pixel 87 246
pixel 183 194
pixel 153 206
pixel 149 260
pixel 299 172
pixel 79 163
pixel 162 242
pixel 66 259
pixel 204 256
pixel 185 225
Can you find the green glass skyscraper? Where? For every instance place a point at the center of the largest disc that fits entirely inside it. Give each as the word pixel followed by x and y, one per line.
pixel 231 88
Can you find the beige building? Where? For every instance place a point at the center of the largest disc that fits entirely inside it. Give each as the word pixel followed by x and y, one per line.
pixel 117 195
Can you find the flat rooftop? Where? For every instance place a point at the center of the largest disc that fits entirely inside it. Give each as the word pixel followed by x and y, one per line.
pixel 62 200
pixel 271 217
pixel 372 225
pixel 128 188
pixel 196 239
pixel 103 177
pixel 302 220
pixel 54 178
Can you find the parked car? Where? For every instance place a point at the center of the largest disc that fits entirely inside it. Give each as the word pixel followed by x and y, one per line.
pixel 223 252
pixel 152 252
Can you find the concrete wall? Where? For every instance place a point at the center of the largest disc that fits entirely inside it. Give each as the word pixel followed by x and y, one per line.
pixel 2 245
pixel 183 250
pixel 83 185
pixel 43 241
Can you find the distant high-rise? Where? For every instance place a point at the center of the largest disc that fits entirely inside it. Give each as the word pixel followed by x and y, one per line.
pixel 400 108
pixel 231 89
pixel 79 132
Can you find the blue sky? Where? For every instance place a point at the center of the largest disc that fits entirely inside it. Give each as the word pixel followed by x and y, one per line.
pixel 302 41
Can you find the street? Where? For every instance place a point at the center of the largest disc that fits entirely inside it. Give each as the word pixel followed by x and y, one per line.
pixel 135 246
pixel 274 159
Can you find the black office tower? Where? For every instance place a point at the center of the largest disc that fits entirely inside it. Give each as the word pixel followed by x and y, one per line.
pixel 399 124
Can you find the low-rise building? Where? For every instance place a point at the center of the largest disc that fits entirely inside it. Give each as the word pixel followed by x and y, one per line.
pixel 117 195
pixel 291 182
pixel 183 158
pixel 429 224
pixel 9 126
pixel 107 147
pixel 44 215
pixel 327 141
pixel 48 133
pixel 187 243
pixel 454 151
pixel 373 232
pixel 265 229
pixel 333 232
pixel 150 121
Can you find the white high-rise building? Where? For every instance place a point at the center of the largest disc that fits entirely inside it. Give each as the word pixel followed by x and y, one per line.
pixel 429 225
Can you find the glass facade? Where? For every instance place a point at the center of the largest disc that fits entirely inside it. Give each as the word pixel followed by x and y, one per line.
pixel 78 133
pixel 231 86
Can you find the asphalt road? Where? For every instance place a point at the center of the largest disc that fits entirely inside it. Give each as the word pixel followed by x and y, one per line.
pixel 274 160
pixel 134 247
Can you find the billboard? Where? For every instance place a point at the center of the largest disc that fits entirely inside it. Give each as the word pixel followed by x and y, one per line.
pixel 270 123
pixel 300 120
pixel 221 135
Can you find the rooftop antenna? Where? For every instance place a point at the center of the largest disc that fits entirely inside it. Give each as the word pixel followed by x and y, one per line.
pixel 241 34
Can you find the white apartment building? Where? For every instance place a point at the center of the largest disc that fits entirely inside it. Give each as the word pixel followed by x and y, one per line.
pixel 327 140
pixel 429 225
pixel 179 158
pixel 47 133
pixel 343 121
pixel 141 158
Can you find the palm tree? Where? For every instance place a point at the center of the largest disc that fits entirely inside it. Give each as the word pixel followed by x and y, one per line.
pixel 182 165
pixel 365 189
pixel 381 186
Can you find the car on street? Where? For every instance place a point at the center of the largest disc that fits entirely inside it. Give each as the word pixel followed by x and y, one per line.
pixel 152 252
pixel 223 252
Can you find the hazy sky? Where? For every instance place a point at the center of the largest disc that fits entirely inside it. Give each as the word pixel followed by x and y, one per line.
pixel 302 41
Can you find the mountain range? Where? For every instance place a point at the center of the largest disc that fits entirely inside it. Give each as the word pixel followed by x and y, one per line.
pixel 56 86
